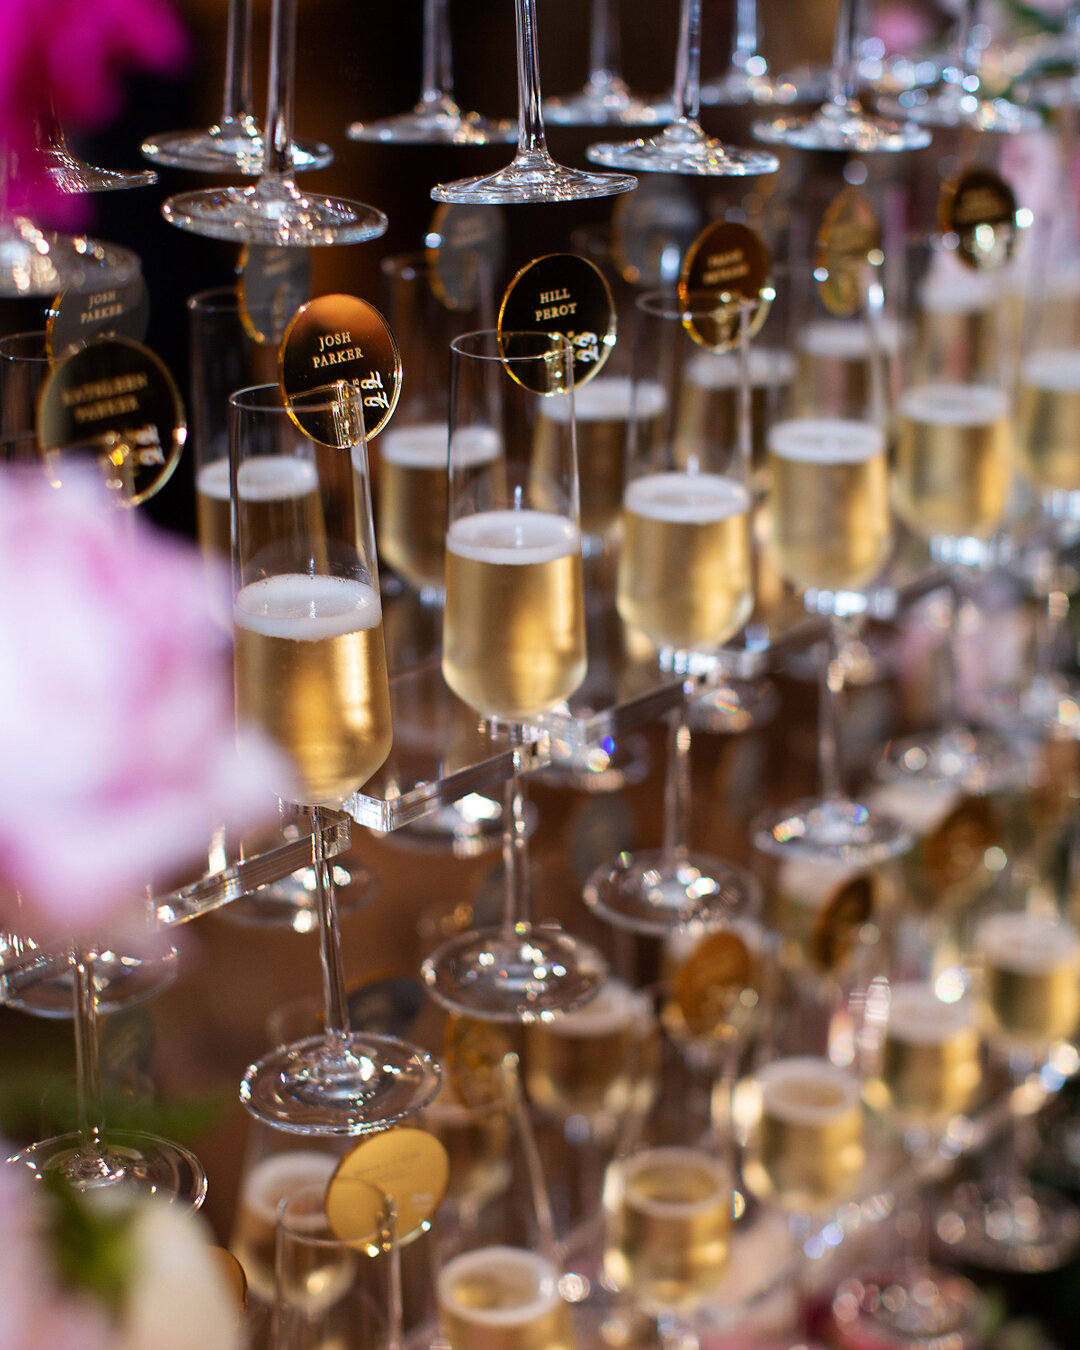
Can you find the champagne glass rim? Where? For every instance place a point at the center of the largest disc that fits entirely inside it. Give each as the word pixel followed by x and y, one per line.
pixel 35 340
pixel 298 1225
pixel 487 344
pixel 215 299
pixel 268 398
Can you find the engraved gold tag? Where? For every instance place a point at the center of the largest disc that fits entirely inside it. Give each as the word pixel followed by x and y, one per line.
pixel 473 1056
pixel 849 234
pixel 563 293
pixel 978 210
pixel 708 983
pixel 726 270
pixel 274 283
pixel 408 1165
pixel 463 242
pixel 235 1279
pixel 116 401
pixel 338 338
pixel 651 230
pixel 78 316
pixel 836 930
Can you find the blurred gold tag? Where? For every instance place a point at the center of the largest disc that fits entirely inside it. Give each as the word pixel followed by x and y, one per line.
pixel 563 293
pixel 709 982
pixel 338 338
pixel 651 230
pixel 836 930
pixel 274 282
pixel 726 270
pixel 849 233
pixel 953 851
pixel 978 209
pixel 235 1279
pixel 408 1165
pixel 463 242
pixel 76 317
pixel 473 1056
pixel 116 401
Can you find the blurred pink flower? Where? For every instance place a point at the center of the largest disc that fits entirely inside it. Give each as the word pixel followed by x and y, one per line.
pixel 900 27
pixel 117 747
pixel 74 52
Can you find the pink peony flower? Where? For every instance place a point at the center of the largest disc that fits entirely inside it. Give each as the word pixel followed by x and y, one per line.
pixel 75 54
pixel 117 745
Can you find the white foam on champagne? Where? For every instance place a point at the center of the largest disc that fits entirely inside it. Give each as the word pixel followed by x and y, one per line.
pixel 608 398
pixel 425 446
pixel 616 1006
pixel 686 498
pixel 212 480
pixel 1027 944
pixel 767 367
pixel 1056 370
pixel 954 405
pixel 278 1176
pixel 530 1282
pixel 678 1161
pixel 826 440
pixel 275 478
pixel 807 1090
pixel 306 608
pixel 513 537
pixel 845 339
pixel 918 1016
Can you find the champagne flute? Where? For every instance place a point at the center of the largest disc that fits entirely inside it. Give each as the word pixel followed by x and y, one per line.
pixel 747 79
pixel 436 119
pixel 605 99
pixel 235 142
pixel 274 210
pixel 311 672
pixel 840 123
pixel 69 173
pixel 532 175
pixel 959 99
pixel 685 581
pixel 682 146
pixel 513 645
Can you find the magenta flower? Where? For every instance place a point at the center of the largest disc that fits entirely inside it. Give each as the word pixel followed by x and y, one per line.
pixel 74 55
pixel 117 746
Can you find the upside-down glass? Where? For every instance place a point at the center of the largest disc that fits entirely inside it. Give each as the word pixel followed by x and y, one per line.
pixel 682 146
pixel 436 119
pixel 513 641
pixel 274 210
pixel 234 144
pixel 311 673
pixel 532 175
pixel 685 581
pixel 605 98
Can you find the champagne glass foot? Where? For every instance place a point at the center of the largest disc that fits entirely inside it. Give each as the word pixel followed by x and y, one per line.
pixel 734 707
pixel 345 1084
pixel 1026 1231
pixel 121 981
pixel 953 106
pixel 829 830
pixel 69 174
pixel 1050 704
pixel 976 760
pixel 468 828
pixel 654 893
pixel 843 127
pixel 609 765
pixel 682 148
pixel 520 977
pixel 606 101
pixel 438 122
pixel 126 1160
pixel 293 902
pixel 533 177
pixel 36 262
pixel 274 211
pixel 234 146
pixel 910 1303
pixel 737 87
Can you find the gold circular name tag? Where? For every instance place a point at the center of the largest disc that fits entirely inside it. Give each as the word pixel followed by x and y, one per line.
pixel 652 229
pixel 849 235
pixel 462 243
pixel 115 401
pixel 274 282
pixel 408 1165
pixel 708 983
pixel 978 211
pixel 474 1054
pixel 338 339
pixel 725 272
pixel 563 293
pixel 77 317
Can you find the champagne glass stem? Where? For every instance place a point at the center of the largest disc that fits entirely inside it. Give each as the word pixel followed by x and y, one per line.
pixel 236 99
pixel 530 1152
pixel 843 76
pixel 277 152
pixel 517 912
pixel 1050 616
pixel 91 1111
pixel 745 41
pixel 531 139
pixel 963 53
pixel 688 63
pixel 603 44
pixel 395 1312
pixel 677 786
pixel 437 80
pixel 335 1001
pixel 830 685
pixel 951 714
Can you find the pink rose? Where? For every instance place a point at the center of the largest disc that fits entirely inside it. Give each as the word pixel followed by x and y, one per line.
pixel 117 746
